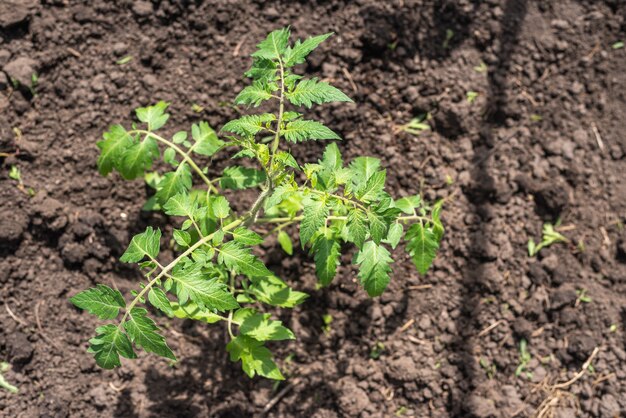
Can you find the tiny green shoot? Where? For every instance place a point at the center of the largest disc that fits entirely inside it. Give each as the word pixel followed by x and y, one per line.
pixel 4 367
pixel 618 45
pixel 549 236
pixel 471 96
pixel 124 60
pixel 524 359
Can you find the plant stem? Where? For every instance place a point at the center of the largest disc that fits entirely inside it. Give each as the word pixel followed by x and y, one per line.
pixel 171 265
pixel 281 109
pixel 277 220
pixel 182 153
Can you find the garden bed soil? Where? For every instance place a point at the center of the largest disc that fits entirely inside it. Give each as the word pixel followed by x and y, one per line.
pixel 543 139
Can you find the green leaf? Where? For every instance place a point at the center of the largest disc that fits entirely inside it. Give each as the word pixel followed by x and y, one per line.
pixel 246 236
pixel 262 69
pixel 108 344
pixel 274 46
pixel 249 125
pixel 101 301
pixel 256 93
pixel 373 187
pixel 394 235
pixel 332 157
pixel 182 238
pixel 285 242
pixel 438 229
pixel 303 130
pixel 191 311
pixel 145 244
pixel 273 291
pixel 357 227
pixel 174 182
pixel 280 193
pixel 361 169
pixel 206 141
pixel 143 332
pixel 315 214
pixel 311 91
pixel 220 207
pixel 238 178
pixel 138 158
pixel 262 328
pixel 239 258
pixel 326 250
pixel 154 116
pixel 378 226
pixel 300 50
pixel 408 204
pixel 179 137
pixel 422 245
pixel 181 204
pixel 192 283
pixel 159 300
pixel 112 147
pixel 373 261
pixel 255 358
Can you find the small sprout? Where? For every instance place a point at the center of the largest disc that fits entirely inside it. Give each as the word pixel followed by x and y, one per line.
pixel 613 328
pixel 582 297
pixel 449 180
pixel 416 126
pixel 618 45
pixel 481 68
pixel 392 46
pixel 490 368
pixel 535 118
pixel 377 350
pixel 591 369
pixel 437 365
pixel 449 36
pixel 14 173
pixel 549 237
pixel 524 359
pixel 471 96
pixel 580 246
pixel 327 319
pixel 124 60
pixel 4 367
pixel 197 108
pixel 401 411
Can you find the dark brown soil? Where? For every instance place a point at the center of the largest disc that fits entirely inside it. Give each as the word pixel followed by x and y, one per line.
pixel 545 138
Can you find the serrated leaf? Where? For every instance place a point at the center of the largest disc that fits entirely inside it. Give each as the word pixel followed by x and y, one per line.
pixel 108 345
pixel 303 130
pixel 300 50
pixel 205 139
pixel 274 45
pixel 326 256
pixel 181 204
pixel 273 291
pixel 394 235
pixel 435 215
pixel 280 193
pixel 262 69
pixel 249 125
pixel 220 207
pixel 246 236
pixel 374 269
pixel 314 217
pixel 408 204
pixel 179 137
pixel 373 187
pixel 159 300
pixel 256 93
pixel 422 245
pixel 238 178
pixel 309 91
pixel 237 257
pixel 378 226
pixel 143 332
pixel 285 242
pixel 173 183
pixel 361 169
pixel 332 157
pixel 357 227
pixel 191 311
pixel 206 292
pixel 154 116
pixel 114 144
pixel 262 328
pixel 101 301
pixel 138 158
pixel 255 358
pixel 182 238
pixel 145 244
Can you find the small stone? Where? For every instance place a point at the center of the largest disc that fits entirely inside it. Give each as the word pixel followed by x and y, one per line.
pixel 119 49
pixel 21 70
pixel 149 80
pixel 4 57
pixel 20 350
pixel 581 346
pixel 142 8
pixel 12 12
pixel 609 407
pixel 551 262
pixel 563 296
pixel 482 407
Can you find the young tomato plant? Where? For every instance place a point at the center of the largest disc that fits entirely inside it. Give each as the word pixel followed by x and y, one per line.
pixel 217 277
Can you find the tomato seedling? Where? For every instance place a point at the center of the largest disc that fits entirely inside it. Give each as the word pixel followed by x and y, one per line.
pixel 216 277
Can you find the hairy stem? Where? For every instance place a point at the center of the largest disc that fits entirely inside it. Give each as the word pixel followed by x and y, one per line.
pixel 268 220
pixel 281 109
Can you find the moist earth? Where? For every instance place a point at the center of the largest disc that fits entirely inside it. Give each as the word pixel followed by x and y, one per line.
pixel 541 140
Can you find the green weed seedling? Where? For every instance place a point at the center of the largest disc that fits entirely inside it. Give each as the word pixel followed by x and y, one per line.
pixel 549 237
pixel 415 126
pixel 524 359
pixel 216 276
pixel 4 367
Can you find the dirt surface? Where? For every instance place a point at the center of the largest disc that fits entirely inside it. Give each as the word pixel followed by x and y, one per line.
pixel 544 139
